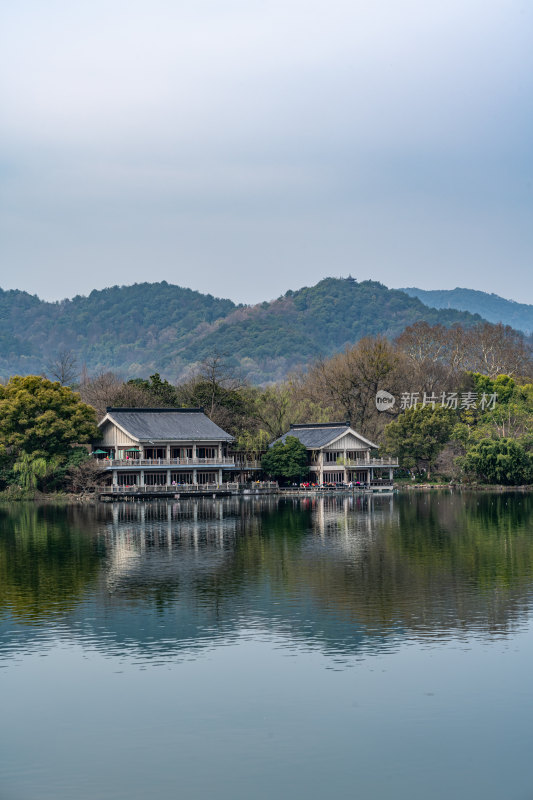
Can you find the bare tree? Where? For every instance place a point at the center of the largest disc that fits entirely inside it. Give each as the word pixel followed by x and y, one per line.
pixel 65 368
pixel 422 342
pixel 216 373
pixel 87 476
pixel 486 348
pixel 500 350
pixel 107 389
pixel 348 383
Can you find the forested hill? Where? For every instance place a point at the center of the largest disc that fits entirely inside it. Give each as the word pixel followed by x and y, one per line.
pixel 136 330
pixel 490 306
pixel 121 328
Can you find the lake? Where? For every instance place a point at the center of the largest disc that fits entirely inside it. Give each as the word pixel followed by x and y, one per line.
pixel 352 647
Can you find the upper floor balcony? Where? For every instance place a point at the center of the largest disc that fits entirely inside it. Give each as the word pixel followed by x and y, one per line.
pixel 139 463
pixel 386 461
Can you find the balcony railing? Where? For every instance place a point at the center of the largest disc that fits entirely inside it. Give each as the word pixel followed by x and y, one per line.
pixel 374 462
pixel 357 462
pixel 135 463
pixel 189 487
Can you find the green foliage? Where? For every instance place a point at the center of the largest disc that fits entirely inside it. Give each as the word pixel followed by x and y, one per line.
pixel 490 306
pixel 500 461
pixel 145 327
pixel 418 435
pixel 512 415
pixel 160 391
pixel 29 469
pixel 40 421
pixel 42 418
pixel 47 559
pixel 286 460
pixel 502 386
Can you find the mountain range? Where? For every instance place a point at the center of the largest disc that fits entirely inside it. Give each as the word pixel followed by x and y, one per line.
pixel 148 327
pixel 490 306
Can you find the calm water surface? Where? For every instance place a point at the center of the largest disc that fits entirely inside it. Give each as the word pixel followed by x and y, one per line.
pixel 273 648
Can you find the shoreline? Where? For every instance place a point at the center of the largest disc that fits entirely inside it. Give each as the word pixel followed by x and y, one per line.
pixel 93 499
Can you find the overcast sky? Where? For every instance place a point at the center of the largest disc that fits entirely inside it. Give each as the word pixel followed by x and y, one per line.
pixel 244 148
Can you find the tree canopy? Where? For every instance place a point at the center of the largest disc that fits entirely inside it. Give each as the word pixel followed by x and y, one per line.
pixel 419 434
pixel 286 460
pixel 500 461
pixel 156 326
pixel 43 419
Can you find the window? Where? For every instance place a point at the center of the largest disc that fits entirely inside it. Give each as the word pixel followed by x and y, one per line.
pixel 356 455
pixel 333 477
pixel 155 452
pixel 127 479
pixel 207 477
pixel 206 452
pixel 181 477
pixel 332 456
pixel 155 478
pixel 181 452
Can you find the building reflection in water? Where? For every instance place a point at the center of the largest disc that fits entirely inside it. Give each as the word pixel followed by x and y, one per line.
pixel 343 574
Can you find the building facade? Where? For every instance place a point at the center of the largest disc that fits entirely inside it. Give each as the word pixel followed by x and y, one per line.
pixel 164 447
pixel 336 453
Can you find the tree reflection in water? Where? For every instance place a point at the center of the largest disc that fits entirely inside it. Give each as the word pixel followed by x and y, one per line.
pixel 336 573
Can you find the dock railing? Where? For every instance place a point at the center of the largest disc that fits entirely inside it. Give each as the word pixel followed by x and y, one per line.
pixel 189 488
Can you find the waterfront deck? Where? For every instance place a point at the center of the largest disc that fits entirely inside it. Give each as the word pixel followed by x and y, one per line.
pixel 214 490
pixel 185 490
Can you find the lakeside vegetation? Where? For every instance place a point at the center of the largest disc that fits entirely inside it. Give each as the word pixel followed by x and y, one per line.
pixel 462 411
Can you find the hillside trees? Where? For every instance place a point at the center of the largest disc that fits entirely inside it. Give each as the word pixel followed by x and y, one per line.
pixel 485 348
pixel 145 328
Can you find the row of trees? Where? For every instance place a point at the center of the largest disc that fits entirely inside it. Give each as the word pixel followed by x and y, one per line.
pixel 41 420
pixel 424 361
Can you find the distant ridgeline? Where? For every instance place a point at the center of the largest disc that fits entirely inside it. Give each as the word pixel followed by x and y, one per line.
pixel 490 306
pixel 136 330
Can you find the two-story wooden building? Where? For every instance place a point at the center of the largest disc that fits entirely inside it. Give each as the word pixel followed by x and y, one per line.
pixel 164 447
pixel 336 453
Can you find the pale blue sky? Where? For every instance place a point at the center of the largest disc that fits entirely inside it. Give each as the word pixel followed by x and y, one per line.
pixel 245 148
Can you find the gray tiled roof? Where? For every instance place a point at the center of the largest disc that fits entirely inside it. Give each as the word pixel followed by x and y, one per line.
pixel 167 424
pixel 314 438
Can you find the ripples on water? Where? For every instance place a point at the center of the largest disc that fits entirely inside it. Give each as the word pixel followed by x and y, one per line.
pixel 336 581
pixel 341 574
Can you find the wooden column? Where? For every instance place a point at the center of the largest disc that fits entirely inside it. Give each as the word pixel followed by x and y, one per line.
pixel 345 475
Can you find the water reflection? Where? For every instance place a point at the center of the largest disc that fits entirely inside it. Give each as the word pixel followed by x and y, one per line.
pixel 345 575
